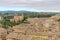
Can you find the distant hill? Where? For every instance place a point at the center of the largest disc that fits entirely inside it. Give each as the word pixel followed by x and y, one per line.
pixel 14 12
pixel 23 11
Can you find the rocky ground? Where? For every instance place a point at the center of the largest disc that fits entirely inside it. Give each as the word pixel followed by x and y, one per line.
pixel 37 29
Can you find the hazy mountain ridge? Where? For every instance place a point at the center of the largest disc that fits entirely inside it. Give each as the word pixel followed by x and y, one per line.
pixel 23 11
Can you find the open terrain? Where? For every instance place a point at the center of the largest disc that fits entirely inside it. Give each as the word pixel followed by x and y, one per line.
pixel 28 26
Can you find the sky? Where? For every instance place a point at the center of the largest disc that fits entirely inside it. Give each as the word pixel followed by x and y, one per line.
pixel 30 5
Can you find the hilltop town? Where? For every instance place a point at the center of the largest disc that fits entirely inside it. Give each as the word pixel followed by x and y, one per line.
pixel 18 27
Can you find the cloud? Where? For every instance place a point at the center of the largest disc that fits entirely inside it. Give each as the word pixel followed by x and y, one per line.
pixel 43 5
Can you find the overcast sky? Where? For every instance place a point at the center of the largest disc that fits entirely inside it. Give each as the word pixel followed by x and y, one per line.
pixel 31 5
